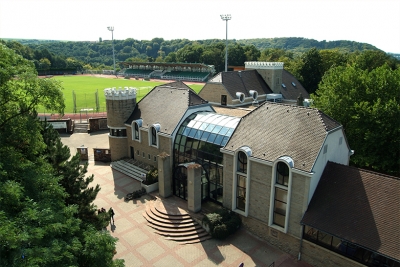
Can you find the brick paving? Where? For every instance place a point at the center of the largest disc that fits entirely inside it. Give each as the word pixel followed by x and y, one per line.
pixel 138 245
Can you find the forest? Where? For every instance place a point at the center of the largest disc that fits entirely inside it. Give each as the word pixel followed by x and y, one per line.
pixel 48 54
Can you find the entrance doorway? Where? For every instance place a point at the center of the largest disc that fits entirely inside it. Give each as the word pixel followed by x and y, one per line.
pixel 180 183
pixel 132 153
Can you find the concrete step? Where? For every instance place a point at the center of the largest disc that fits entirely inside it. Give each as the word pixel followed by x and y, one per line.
pixel 174 223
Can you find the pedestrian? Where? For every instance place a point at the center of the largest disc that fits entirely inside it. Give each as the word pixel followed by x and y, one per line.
pixel 111 211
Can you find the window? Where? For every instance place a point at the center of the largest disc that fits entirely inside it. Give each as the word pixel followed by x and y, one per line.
pixel 242 162
pixel 138 152
pixel 241 183
pixel 149 157
pixel 280 203
pixel 136 130
pixel 144 155
pixel 118 132
pixel 223 100
pixel 282 174
pixel 280 193
pixel 325 149
pixel 241 192
pixel 153 136
pixel 155 158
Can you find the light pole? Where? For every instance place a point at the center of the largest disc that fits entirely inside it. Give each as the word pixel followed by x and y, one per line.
pixel 111 28
pixel 226 18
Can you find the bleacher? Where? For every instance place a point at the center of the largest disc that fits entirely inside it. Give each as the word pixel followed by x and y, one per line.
pixel 138 73
pixel 132 168
pixel 185 75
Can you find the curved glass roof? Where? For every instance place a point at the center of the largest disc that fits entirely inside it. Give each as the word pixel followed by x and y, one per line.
pixel 211 127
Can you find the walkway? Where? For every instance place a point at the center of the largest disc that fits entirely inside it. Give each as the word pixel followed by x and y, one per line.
pixel 138 245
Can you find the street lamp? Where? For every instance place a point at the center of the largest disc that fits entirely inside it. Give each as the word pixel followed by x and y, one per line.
pixel 226 18
pixel 111 28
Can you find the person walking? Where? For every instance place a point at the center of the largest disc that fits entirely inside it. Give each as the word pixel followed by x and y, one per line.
pixel 111 211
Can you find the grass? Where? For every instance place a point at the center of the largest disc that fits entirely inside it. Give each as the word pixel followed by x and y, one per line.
pixel 85 88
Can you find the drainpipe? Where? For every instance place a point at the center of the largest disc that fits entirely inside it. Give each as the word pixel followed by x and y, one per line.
pixel 301 243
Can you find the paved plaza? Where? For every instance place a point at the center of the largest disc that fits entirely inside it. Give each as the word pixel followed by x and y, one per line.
pixel 138 245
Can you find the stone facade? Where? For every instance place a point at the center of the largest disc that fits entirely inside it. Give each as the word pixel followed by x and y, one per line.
pixel 271 72
pixel 118 147
pixel 213 91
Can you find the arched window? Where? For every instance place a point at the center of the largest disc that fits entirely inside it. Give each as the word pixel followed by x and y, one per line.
pixel 282 174
pixel 242 162
pixel 241 181
pixel 280 193
pixel 136 129
pixel 153 136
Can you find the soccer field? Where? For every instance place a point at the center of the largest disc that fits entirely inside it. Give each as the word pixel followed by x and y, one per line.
pixel 85 88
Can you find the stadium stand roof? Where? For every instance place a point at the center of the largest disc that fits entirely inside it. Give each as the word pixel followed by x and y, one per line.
pixel 173 65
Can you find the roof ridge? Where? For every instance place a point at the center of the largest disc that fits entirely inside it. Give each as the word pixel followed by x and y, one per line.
pixel 365 170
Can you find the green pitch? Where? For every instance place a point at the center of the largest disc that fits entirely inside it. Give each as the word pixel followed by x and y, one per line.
pixel 85 88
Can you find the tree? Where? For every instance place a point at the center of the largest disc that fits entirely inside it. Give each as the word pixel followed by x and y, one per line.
pixel 311 70
pixel 367 104
pixel 37 228
pixel 236 55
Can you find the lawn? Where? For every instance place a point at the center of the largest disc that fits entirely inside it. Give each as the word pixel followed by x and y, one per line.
pixel 85 88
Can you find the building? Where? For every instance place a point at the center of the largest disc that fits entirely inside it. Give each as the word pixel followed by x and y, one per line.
pixel 282 167
pixel 258 82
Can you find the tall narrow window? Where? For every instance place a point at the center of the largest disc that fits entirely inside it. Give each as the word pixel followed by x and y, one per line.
pixel 241 182
pixel 241 192
pixel 242 162
pixel 136 131
pixel 280 193
pixel 153 136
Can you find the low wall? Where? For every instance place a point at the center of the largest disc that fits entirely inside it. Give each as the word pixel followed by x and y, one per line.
pixel 97 124
pixel 62 125
pixel 102 154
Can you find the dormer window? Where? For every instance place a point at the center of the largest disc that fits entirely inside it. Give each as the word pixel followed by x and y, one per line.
pixel 153 134
pixel 136 130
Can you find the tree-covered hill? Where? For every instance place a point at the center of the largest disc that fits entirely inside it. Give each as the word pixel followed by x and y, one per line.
pixel 298 44
pixel 99 53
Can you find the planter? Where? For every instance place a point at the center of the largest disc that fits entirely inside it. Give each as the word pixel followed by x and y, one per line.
pixel 150 188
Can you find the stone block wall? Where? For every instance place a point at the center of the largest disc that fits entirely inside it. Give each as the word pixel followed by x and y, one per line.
pixel 97 124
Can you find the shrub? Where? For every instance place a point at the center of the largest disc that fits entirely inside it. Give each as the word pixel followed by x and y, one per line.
pixel 151 177
pixel 222 223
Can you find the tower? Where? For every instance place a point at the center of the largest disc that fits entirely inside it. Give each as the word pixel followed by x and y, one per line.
pixel 271 72
pixel 120 105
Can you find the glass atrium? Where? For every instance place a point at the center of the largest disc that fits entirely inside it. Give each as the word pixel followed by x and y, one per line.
pixel 199 140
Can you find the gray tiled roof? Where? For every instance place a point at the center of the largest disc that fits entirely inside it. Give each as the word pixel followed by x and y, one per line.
pixel 242 81
pixel 290 91
pixel 359 206
pixel 274 130
pixel 165 105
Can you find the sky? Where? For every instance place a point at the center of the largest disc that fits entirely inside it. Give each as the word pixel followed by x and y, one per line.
pixel 376 22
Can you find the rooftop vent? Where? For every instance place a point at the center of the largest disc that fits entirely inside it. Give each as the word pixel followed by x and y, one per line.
pixel 254 94
pixel 240 96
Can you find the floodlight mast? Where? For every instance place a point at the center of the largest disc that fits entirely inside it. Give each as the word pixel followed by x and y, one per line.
pixel 111 28
pixel 226 17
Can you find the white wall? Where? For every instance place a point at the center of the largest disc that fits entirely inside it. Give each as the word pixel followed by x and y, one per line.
pixel 336 153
